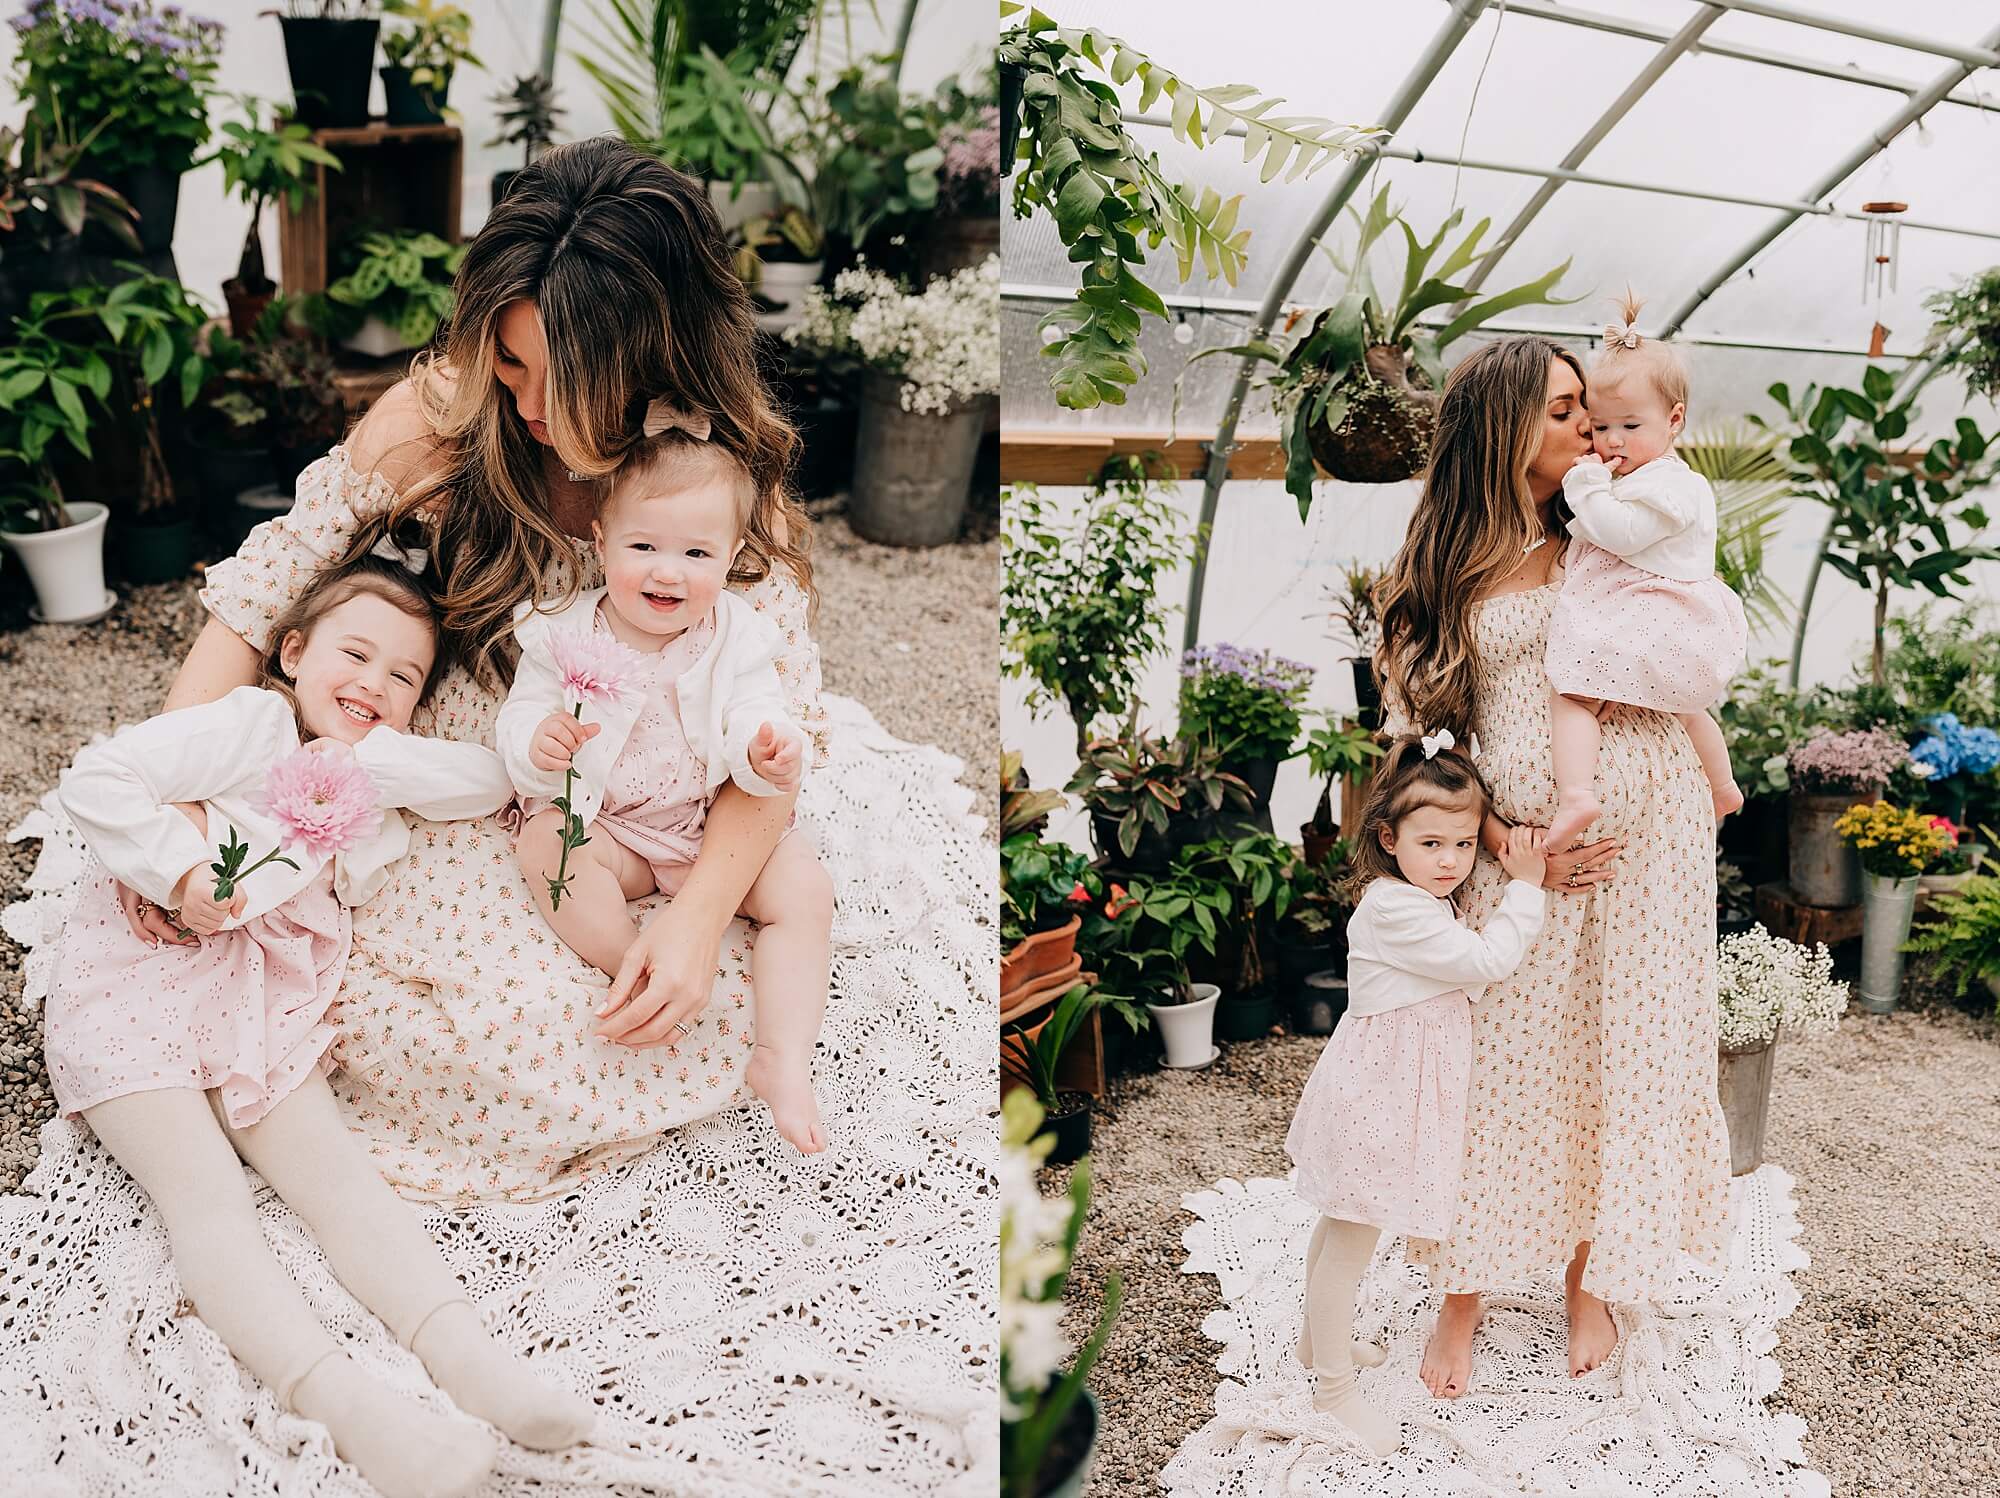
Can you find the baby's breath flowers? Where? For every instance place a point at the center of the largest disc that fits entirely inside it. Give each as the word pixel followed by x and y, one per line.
pixel 943 341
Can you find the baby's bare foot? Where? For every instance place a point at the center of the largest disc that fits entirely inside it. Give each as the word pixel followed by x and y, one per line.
pixel 1728 799
pixel 784 1082
pixel 1592 1332
pixel 1574 811
pixel 1447 1366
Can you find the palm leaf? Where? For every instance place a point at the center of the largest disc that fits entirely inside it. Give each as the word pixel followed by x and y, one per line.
pixel 1753 489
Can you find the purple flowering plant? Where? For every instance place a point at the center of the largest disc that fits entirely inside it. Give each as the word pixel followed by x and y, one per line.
pixel 1860 760
pixel 139 72
pixel 1244 702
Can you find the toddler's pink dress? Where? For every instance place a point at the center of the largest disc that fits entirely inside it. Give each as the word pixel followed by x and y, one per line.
pixel 1642 618
pixel 242 1012
pixel 656 796
pixel 1379 1133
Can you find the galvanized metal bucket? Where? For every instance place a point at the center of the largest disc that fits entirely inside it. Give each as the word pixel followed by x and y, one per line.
pixel 1886 907
pixel 912 471
pixel 1824 871
pixel 1743 1082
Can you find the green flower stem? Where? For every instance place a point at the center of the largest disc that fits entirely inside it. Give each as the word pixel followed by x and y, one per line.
pixel 572 833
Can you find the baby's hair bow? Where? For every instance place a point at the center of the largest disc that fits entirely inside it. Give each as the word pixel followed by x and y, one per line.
pixel 663 416
pixel 1433 742
pixel 1621 335
pixel 411 558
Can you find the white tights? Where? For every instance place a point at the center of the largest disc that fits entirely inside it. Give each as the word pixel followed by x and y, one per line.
pixel 177 1147
pixel 1336 1260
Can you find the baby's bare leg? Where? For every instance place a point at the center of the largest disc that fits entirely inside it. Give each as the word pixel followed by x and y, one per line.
pixel 379 1248
pixel 1714 751
pixel 603 875
pixel 1573 736
pixel 173 1146
pixel 792 903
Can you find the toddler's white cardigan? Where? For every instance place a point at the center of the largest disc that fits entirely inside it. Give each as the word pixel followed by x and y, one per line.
pixel 121 795
pixel 1660 517
pixel 1405 946
pixel 724 698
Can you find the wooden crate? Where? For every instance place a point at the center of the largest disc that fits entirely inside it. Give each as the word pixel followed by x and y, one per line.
pixel 1808 925
pixel 407 177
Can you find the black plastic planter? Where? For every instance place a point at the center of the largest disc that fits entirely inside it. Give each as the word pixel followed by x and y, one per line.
pixel 332 64
pixel 1320 1002
pixel 1367 695
pixel 156 551
pixel 1246 1016
pixel 155 195
pixel 1071 1128
pixel 407 103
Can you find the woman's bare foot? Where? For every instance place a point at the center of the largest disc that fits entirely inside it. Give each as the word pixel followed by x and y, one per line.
pixel 1447 1368
pixel 1575 810
pixel 1592 1332
pixel 785 1083
pixel 1728 800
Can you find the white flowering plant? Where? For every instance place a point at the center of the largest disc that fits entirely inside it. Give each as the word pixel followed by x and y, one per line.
pixel 1766 984
pixel 1037 1241
pixel 943 342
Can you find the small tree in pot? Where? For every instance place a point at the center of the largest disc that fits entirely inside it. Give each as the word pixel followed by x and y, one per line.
pixel 1334 750
pixel 262 166
pixel 527 116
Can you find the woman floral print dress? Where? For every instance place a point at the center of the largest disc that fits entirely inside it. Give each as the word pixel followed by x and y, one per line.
pixel 464 1051
pixel 1593 1113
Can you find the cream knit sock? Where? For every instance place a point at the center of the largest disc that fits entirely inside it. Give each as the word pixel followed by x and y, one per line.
pixel 1336 1275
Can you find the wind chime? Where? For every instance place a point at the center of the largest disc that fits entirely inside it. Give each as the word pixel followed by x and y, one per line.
pixel 1878 269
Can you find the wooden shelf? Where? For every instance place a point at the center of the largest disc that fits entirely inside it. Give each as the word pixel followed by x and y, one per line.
pixel 407 177
pixel 1063 455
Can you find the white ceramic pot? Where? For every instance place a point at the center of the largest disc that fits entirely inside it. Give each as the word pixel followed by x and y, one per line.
pixel 375 339
pixel 785 283
pixel 66 566
pixel 1188 1030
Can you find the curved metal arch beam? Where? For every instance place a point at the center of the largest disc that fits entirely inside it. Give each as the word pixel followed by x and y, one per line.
pixel 1463 14
pixel 1877 142
pixel 1675 48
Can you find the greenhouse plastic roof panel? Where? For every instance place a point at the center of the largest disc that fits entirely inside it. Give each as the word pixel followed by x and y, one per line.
pixel 1711 121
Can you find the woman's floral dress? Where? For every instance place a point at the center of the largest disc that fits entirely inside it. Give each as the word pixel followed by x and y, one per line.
pixel 464 1054
pixel 1593 1113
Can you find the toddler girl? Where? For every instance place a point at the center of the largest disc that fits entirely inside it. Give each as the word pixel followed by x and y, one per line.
pixel 702 705
pixel 1380 1129
pixel 1642 618
pixel 173 1053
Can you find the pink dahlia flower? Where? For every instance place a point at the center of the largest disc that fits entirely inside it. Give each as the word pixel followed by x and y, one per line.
pixel 595 668
pixel 322 800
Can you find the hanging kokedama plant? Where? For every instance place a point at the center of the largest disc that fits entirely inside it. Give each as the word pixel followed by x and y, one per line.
pixel 1357 388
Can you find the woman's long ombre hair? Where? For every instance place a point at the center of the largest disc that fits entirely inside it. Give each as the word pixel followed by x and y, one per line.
pixel 625 261
pixel 1475 518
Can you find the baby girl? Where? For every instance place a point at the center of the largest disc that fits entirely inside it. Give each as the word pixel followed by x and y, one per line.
pixel 1642 618
pixel 183 1056
pixel 701 704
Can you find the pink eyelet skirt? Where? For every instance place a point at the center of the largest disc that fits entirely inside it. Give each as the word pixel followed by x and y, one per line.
pixel 1379 1135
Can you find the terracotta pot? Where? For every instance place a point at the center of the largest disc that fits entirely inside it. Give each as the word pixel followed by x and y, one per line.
pixel 1044 952
pixel 1025 995
pixel 1317 845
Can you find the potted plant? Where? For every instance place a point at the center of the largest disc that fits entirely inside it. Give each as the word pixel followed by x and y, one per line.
pixel 1953 866
pixel 1148 797
pixel 1765 986
pixel 1245 704
pixel 1353 603
pixel 527 116
pixel 1044 887
pixel 1357 387
pixel 306 413
pixel 330 54
pixel 1080 597
pixel 1334 750
pixel 1762 720
pixel 1048 1419
pixel 261 165
pixel 1032 1056
pixel 1169 917
pixel 45 206
pixel 1950 758
pixel 1962 930
pixel 777 258
pixel 1309 945
pixel 395 292
pixel 933 360
pixel 1896 844
pixel 141 74
pixel 1887 521
pixel 1254 869
pixel 423 53
pixel 874 158
pixel 44 380
pixel 1966 333
pixel 1735 902
pixel 1828 773
pixel 966 227
pixel 1111 201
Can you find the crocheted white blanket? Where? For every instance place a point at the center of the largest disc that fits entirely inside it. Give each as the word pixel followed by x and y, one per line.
pixel 747 1327
pixel 1678 1412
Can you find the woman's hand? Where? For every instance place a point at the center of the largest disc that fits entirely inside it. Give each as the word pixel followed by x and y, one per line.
pixel 1575 870
pixel 663 983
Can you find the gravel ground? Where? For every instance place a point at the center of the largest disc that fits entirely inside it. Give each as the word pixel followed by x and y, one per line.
pixel 1891 1358
pixel 913 635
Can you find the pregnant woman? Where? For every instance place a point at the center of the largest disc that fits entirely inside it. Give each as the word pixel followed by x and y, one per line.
pixel 1594 1138
pixel 471 1051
